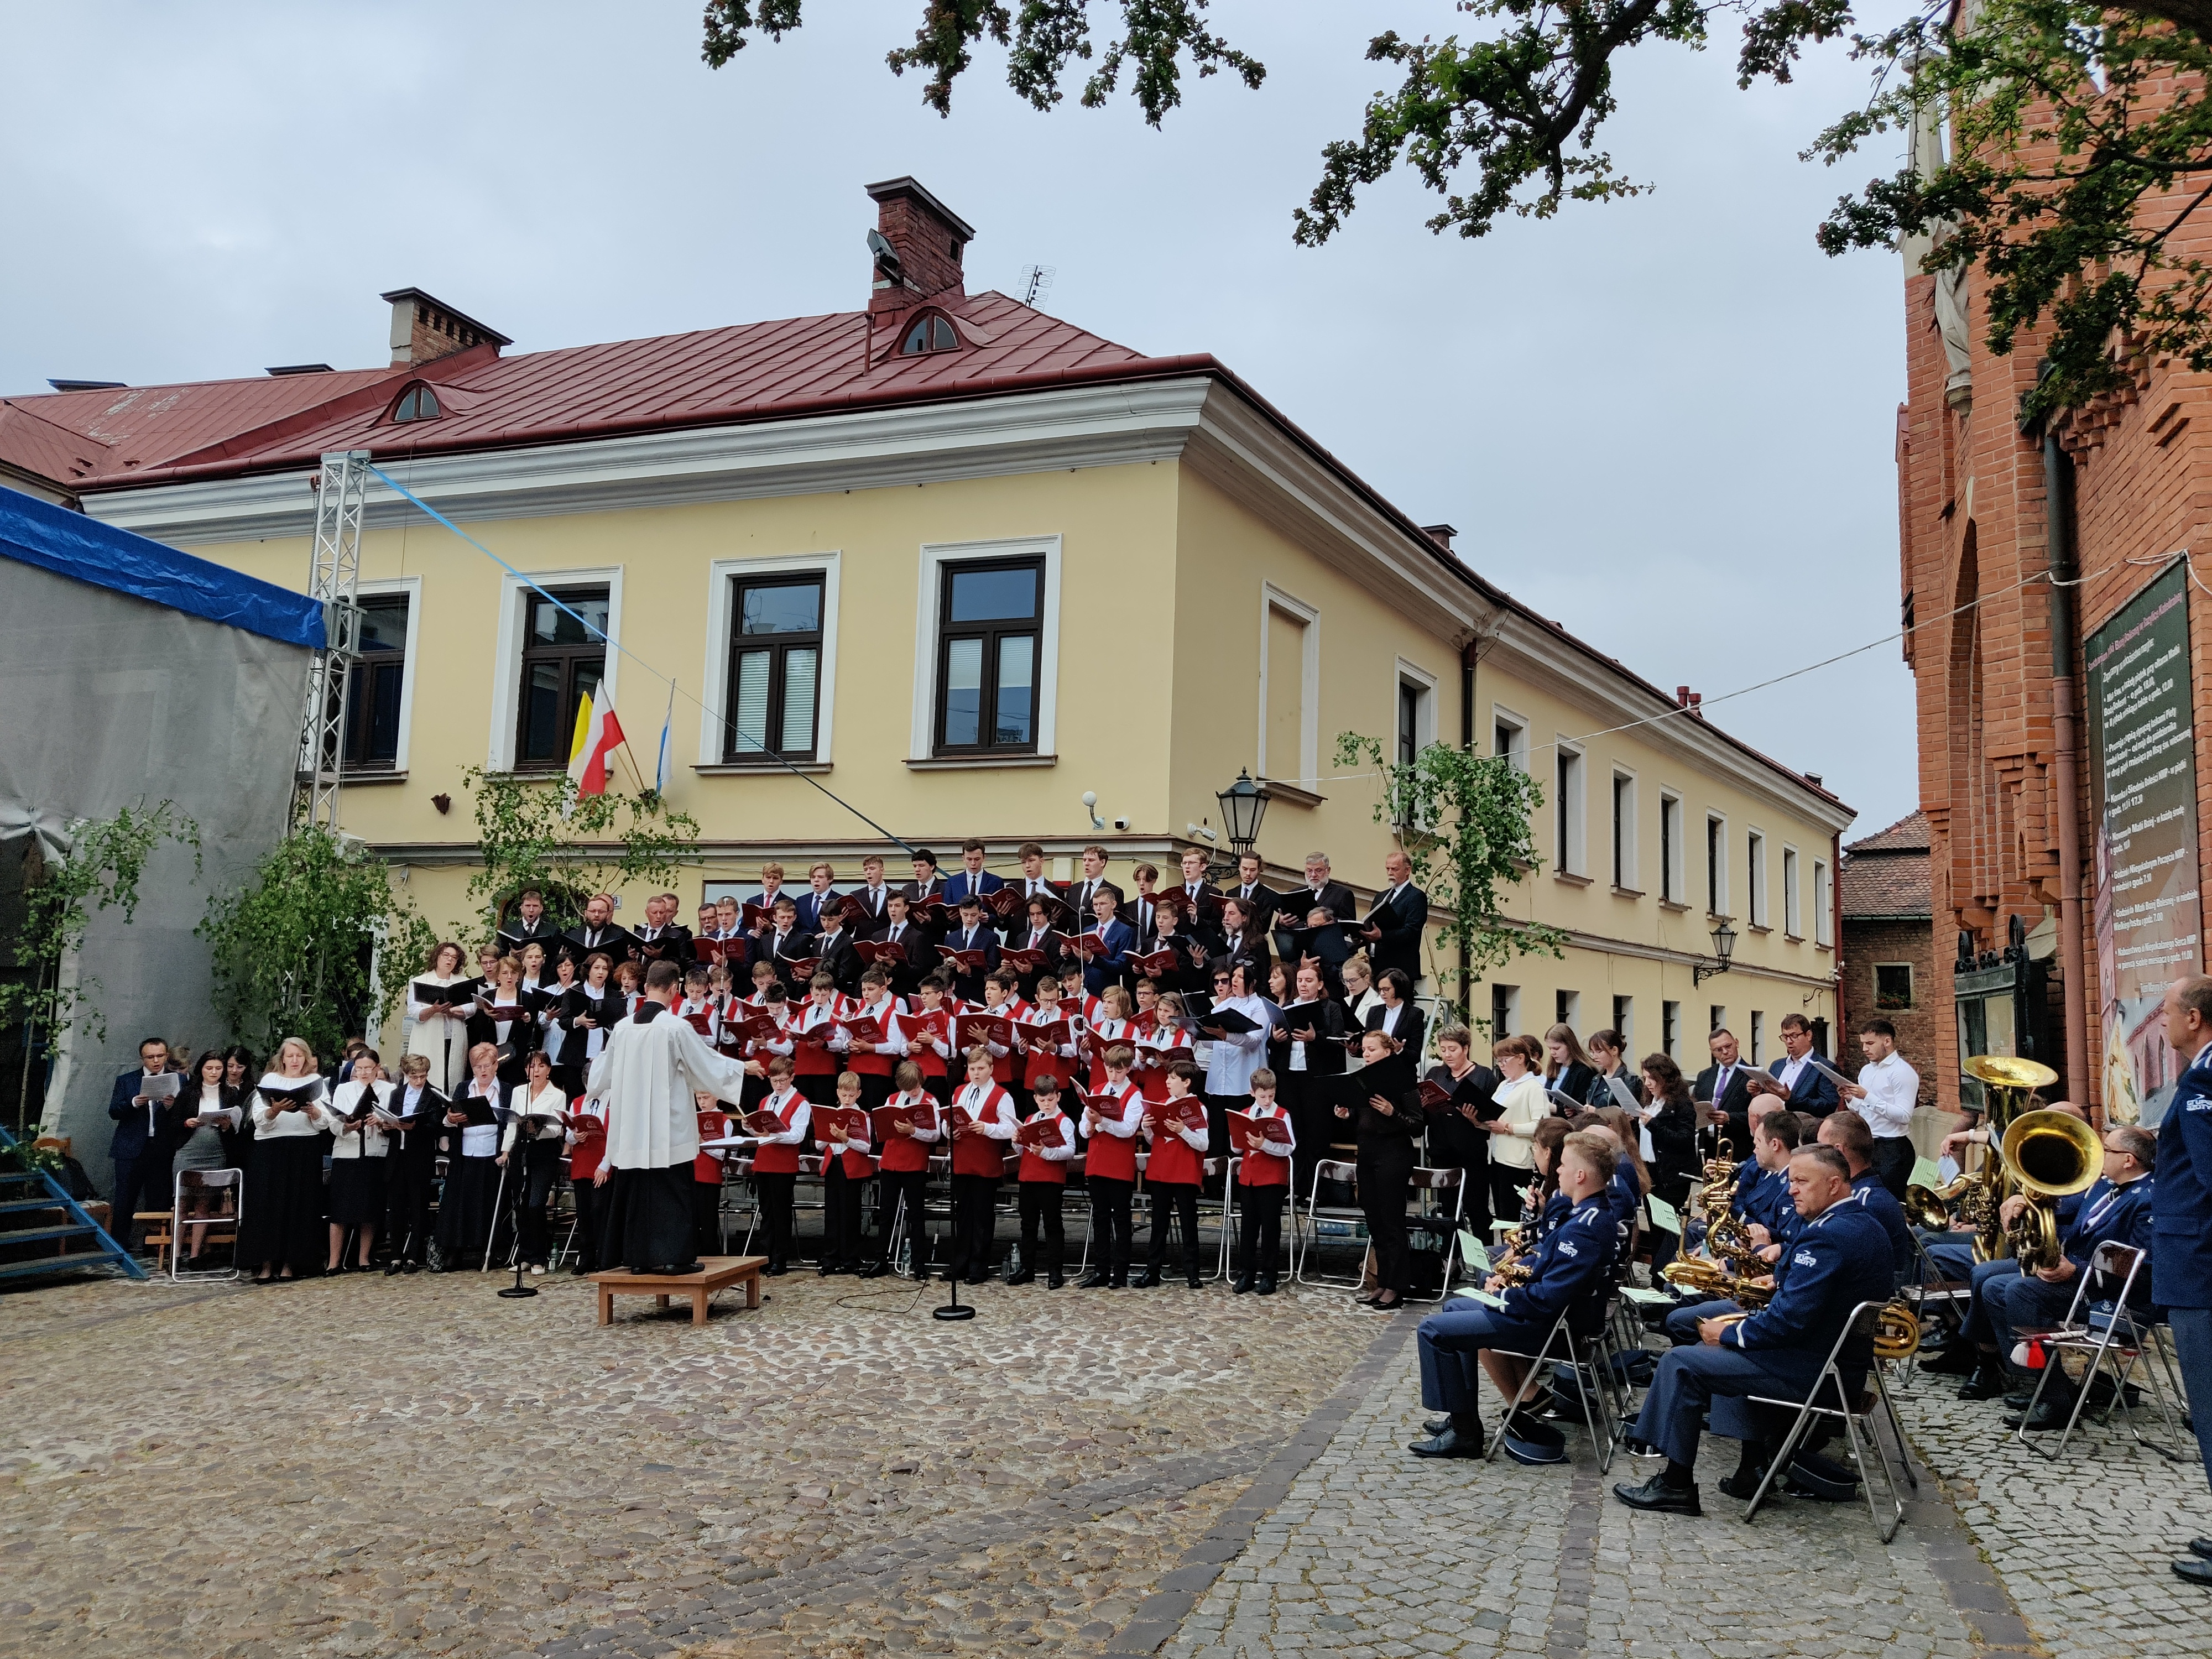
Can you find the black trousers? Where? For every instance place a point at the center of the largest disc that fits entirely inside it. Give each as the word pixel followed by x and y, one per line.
pixel 408 1181
pixel 1041 1207
pixel 1892 1158
pixel 1312 1124
pixel 591 1220
pixel 1217 1109
pixel 1506 1187
pixel 1109 1204
pixel 647 1222
pixel 706 1217
pixel 541 1168
pixel 911 1187
pixel 141 1179
pixel 841 1198
pixel 875 1090
pixel 1385 1185
pixel 1260 1228
pixel 975 1210
pixel 1173 1198
pixel 773 1193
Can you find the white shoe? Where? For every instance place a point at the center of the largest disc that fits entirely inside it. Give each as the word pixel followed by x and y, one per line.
pixel 539 1271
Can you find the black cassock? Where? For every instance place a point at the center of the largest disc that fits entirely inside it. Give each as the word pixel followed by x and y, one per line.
pixel 649 1218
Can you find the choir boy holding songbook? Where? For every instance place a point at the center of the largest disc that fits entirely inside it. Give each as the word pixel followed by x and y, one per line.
pixel 874 1039
pixel 929 1035
pixel 1263 1138
pixel 982 1120
pixel 779 1128
pixel 906 1126
pixel 971 950
pixel 1111 1118
pixel 1047 1139
pixel 1174 1172
pixel 847 1169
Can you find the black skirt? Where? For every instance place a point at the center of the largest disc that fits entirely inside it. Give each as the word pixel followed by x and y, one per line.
pixel 282 1203
pixel 465 1208
pixel 357 1192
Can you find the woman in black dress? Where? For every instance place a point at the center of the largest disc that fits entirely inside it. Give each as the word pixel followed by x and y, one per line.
pixel 1671 1123
pixel 1456 1138
pixel 280 1234
pixel 1389 1123
pixel 204 1135
pixel 1306 1050
pixel 363 1104
pixel 1397 1016
pixel 464 1204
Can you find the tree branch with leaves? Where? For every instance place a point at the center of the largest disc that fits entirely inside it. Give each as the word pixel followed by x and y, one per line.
pixel 1465 822
pixel 539 832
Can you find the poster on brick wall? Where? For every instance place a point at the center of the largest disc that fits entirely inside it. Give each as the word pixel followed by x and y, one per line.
pixel 2142 770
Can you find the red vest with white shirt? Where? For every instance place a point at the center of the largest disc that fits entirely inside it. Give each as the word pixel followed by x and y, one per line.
pixel 779 1160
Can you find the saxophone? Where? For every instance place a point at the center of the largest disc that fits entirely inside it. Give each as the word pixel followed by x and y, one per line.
pixel 1735 1261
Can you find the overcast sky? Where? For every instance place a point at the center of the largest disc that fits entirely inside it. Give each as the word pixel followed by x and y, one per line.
pixel 1666 422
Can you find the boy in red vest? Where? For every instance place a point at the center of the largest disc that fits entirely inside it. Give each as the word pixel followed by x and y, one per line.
pixel 846 1169
pixel 776 1160
pixel 905 1175
pixel 707 1178
pixel 1043 1179
pixel 1263 1181
pixel 979 1159
pixel 1109 1168
pixel 1172 1176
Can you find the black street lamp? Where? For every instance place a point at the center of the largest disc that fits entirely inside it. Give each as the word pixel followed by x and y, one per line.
pixel 1243 804
pixel 1724 947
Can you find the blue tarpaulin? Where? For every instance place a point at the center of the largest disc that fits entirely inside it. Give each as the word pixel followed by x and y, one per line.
pixel 71 544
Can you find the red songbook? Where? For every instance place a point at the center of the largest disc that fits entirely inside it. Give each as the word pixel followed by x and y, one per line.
pixel 701 1021
pixel 1039 1132
pixel 1434 1094
pixel 1021 960
pixel 715 950
pixel 800 967
pixel 884 1120
pixel 931 908
pixel 968 962
pixel 957 1118
pixel 1091 944
pixel 875 951
pixel 1209 904
pixel 1105 1105
pixel 830 1121
pixel 1189 1111
pixel 928 1024
pixel 977 1028
pixel 1152 963
pixel 1162 1058
pixel 863 1028
pixel 1006 901
pixel 761 1122
pixel 757 915
pixel 754 1027
pixel 1245 1130
pixel 1053 1036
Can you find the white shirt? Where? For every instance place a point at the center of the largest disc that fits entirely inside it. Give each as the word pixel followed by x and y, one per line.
pixel 548 1102
pixel 1792 1069
pixel 366 1139
pixel 270 1124
pixel 1892 1089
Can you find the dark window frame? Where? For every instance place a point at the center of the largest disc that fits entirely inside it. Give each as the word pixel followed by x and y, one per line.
pixel 408 407
pixel 938 335
pixel 370 670
pixel 570 658
pixel 991 633
pixel 778 645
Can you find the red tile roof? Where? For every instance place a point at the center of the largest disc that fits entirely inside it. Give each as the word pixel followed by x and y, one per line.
pixel 1908 835
pixel 1886 874
pixel 751 372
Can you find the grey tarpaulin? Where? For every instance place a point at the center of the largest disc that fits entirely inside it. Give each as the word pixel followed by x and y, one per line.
pixel 108 700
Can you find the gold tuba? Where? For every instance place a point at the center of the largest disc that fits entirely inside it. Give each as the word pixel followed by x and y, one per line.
pixel 2048 1156
pixel 2009 1081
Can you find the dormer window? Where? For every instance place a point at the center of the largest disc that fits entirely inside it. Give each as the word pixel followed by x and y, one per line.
pixel 418 403
pixel 930 333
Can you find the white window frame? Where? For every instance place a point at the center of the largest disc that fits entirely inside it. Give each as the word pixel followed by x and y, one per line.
pixel 1758 1036
pixel 1823 934
pixel 1511 1020
pixel 1624 1021
pixel 1516 752
pixel 1568 1004
pixel 506 660
pixel 929 592
pixel 1716 1015
pixel 722 578
pixel 1756 857
pixel 1271 599
pixel 1717 896
pixel 1673 824
pixel 1793 906
pixel 1625 842
pixel 1670 1030
pixel 411 587
pixel 1425 708
pixel 1573 859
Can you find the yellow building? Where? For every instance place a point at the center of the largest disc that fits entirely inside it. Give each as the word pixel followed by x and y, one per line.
pixel 960 562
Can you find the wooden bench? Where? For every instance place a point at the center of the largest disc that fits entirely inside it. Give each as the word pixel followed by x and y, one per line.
pixel 716 1273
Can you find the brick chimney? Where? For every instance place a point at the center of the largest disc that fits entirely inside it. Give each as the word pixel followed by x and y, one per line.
pixel 424 329
pixel 926 238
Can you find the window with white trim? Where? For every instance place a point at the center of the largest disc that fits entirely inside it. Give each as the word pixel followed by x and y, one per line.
pixel 1623 830
pixel 1671 879
pixel 1755 872
pixel 1716 882
pixel 1509 737
pixel 1624 1021
pixel 773 689
pixel 564 657
pixel 1793 919
pixel 986 653
pixel 380 692
pixel 1823 933
pixel 1670 1030
pixel 1290 690
pixel 1569 857
pixel 1505 1011
pixel 1567 1008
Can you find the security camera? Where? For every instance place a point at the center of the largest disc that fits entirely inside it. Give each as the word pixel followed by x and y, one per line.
pixel 1120 824
pixel 1200 831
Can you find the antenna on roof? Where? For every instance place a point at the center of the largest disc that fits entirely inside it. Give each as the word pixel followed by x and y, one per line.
pixel 1036 283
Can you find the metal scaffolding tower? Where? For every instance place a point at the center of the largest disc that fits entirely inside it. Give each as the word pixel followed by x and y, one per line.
pixel 334 579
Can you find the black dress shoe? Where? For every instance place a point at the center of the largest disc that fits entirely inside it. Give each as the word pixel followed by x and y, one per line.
pixel 1743 1483
pixel 2049 1416
pixel 1092 1281
pixel 1267 1285
pixel 391 1268
pixel 825 1270
pixel 2019 1399
pixel 875 1270
pixel 1450 1443
pixel 2196 1569
pixel 413 1267
pixel 1195 1282
pixel 1658 1496
pixel 2201 1548
pixel 1244 1287
pixel 1957 1359
pixel 1147 1280
pixel 1024 1277
pixel 1053 1281
pixel 1989 1382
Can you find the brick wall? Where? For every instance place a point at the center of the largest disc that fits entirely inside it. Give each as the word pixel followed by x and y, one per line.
pixel 1866 943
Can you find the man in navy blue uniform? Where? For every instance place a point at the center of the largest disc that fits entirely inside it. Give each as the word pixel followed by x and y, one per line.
pixel 1570 1271
pixel 1839 1258
pixel 1763 1206
pixel 2181 1224
pixel 138 1149
pixel 1850 1134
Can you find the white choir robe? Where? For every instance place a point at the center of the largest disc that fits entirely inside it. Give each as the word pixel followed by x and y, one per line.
pixel 646 1075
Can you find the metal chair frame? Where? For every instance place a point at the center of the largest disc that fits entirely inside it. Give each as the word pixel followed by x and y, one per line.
pixel 1427 1181
pixel 177 1274
pixel 1864 1420
pixel 2110 1260
pixel 1305 1239
pixel 1580 1352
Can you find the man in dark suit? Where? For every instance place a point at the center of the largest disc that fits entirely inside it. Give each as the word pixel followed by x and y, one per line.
pixel 1033 882
pixel 972 880
pixel 1808 1088
pixel 917 954
pixel 2181 1223
pixel 1726 1086
pixel 662 939
pixel 928 884
pixel 869 904
pixel 821 890
pixel 597 933
pixel 1094 881
pixel 139 1154
pixel 833 947
pixel 779 942
pixel 1260 899
pixel 1197 889
pixel 973 933
pixel 1322 893
pixel 1394 926
pixel 529 922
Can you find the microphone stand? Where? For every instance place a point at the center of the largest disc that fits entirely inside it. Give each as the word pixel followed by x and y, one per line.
pixel 506 1114
pixel 953 1309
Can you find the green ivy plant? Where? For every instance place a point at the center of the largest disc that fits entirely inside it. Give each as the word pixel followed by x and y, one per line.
pixel 1465 822
pixel 105 864
pixel 537 832
pixel 318 945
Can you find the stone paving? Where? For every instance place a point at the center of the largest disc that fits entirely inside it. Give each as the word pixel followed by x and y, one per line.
pixel 367 1467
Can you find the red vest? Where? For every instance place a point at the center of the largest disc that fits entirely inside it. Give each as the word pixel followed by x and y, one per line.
pixel 779 1160
pixel 1112 1156
pixel 1054 1170
pixel 1042 1061
pixel 903 1154
pixel 591 1147
pixel 980 1155
pixel 806 1059
pixel 705 1166
pixel 858 1165
pixel 932 1062
pixel 1174 1162
pixel 1264 1168
pixel 876 1065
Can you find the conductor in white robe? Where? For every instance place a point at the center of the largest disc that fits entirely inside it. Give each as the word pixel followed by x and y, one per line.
pixel 647 1073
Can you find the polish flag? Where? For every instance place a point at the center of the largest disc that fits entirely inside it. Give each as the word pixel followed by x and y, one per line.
pixel 597 734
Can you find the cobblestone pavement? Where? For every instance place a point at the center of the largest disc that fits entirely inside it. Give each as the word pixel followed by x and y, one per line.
pixel 370 1467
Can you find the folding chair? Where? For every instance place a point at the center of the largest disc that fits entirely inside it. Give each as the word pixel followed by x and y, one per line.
pixel 1561 1344
pixel 1428 1188
pixel 230 1185
pixel 1305 1239
pixel 1929 1295
pixel 2102 1336
pixel 1861 1417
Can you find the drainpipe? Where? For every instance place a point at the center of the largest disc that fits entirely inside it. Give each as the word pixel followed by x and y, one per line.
pixel 2059 519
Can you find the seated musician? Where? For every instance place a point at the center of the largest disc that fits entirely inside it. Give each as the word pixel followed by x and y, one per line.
pixel 2118 1208
pixel 1849 1133
pixel 1951 1253
pixel 1774 1138
pixel 1570 1270
pixel 1839 1258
